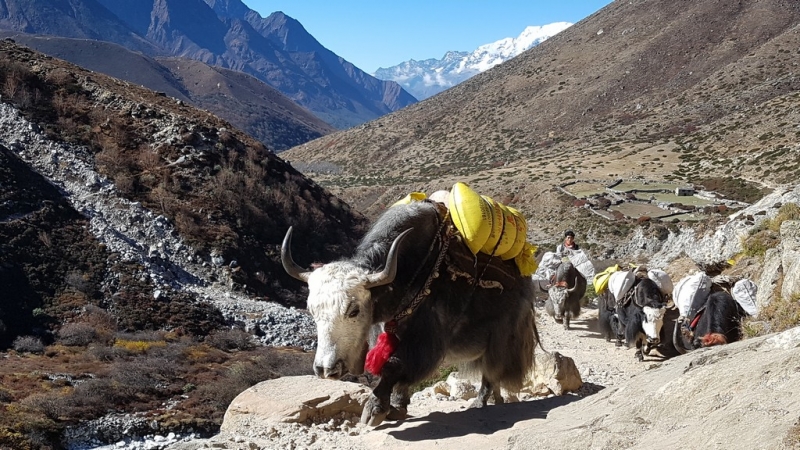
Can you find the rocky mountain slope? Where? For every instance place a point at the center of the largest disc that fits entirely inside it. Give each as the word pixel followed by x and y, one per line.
pixel 696 92
pixel 218 201
pixel 158 226
pixel 139 249
pixel 276 50
pixel 244 101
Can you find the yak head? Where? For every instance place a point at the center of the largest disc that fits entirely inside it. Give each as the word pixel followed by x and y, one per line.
pixel 648 296
pixel 340 302
pixel 652 321
pixel 558 295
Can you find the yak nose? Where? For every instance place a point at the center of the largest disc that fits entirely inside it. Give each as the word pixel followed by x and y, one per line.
pixel 333 373
pixel 653 341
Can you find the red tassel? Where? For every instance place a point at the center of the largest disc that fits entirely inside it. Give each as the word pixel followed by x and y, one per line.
pixel 714 339
pixel 378 355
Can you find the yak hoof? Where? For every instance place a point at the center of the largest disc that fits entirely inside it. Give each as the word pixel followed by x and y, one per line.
pixel 397 413
pixel 478 403
pixel 640 356
pixel 375 411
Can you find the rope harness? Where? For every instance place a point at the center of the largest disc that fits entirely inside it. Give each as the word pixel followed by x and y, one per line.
pixel 445 233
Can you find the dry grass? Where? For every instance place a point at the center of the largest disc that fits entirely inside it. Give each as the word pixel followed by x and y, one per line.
pixel 779 315
pixel 43 394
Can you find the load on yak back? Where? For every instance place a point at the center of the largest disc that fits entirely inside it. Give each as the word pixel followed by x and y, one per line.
pixel 487 226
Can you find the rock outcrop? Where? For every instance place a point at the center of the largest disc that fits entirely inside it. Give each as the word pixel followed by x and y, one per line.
pixel 719 245
pixel 744 395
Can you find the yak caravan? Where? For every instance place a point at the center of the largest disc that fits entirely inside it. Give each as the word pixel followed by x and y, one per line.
pixel 638 307
pixel 423 288
pixel 643 308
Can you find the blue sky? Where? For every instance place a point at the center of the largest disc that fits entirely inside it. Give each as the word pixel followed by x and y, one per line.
pixel 372 34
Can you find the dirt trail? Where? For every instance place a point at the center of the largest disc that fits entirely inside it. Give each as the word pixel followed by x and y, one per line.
pixel 600 363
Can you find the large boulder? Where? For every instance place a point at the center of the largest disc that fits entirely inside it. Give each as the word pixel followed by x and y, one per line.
pixel 301 399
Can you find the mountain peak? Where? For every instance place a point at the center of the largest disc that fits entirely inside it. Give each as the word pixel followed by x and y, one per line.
pixel 233 9
pixel 431 76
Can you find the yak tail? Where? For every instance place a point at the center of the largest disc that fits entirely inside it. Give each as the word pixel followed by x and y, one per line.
pixel 714 339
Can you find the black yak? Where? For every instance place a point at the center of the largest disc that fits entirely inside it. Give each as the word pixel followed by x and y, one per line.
pixel 638 318
pixel 714 320
pixel 438 301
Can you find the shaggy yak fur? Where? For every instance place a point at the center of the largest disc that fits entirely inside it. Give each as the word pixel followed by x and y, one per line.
pixel 565 293
pixel 638 320
pixel 486 326
pixel 715 320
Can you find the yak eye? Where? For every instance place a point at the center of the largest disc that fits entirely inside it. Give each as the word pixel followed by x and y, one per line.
pixel 353 313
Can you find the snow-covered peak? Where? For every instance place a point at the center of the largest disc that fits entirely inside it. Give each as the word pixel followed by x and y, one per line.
pixel 431 76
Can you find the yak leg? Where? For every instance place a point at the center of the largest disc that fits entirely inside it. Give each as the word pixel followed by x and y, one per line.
pixel 639 355
pixel 385 398
pixel 377 406
pixel 483 394
pixel 566 320
pixel 498 397
pixel 398 403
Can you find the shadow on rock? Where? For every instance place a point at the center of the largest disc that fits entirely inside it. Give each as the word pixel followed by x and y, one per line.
pixel 487 420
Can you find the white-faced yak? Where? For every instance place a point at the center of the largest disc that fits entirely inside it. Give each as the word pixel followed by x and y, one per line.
pixel 439 304
pixel 638 317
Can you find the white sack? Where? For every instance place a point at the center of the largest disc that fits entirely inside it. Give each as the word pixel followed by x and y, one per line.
pixel 580 260
pixel 620 282
pixel 689 288
pixel 550 260
pixel 744 292
pixel 662 280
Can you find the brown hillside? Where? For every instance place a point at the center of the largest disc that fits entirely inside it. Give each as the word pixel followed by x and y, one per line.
pixel 693 91
pixel 246 102
pixel 224 191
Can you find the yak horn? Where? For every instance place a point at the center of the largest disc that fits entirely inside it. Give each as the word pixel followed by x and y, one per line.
pixel 390 270
pixel 289 265
pixel 575 286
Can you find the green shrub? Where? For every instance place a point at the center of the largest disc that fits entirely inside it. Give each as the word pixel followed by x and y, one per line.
pixel 758 244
